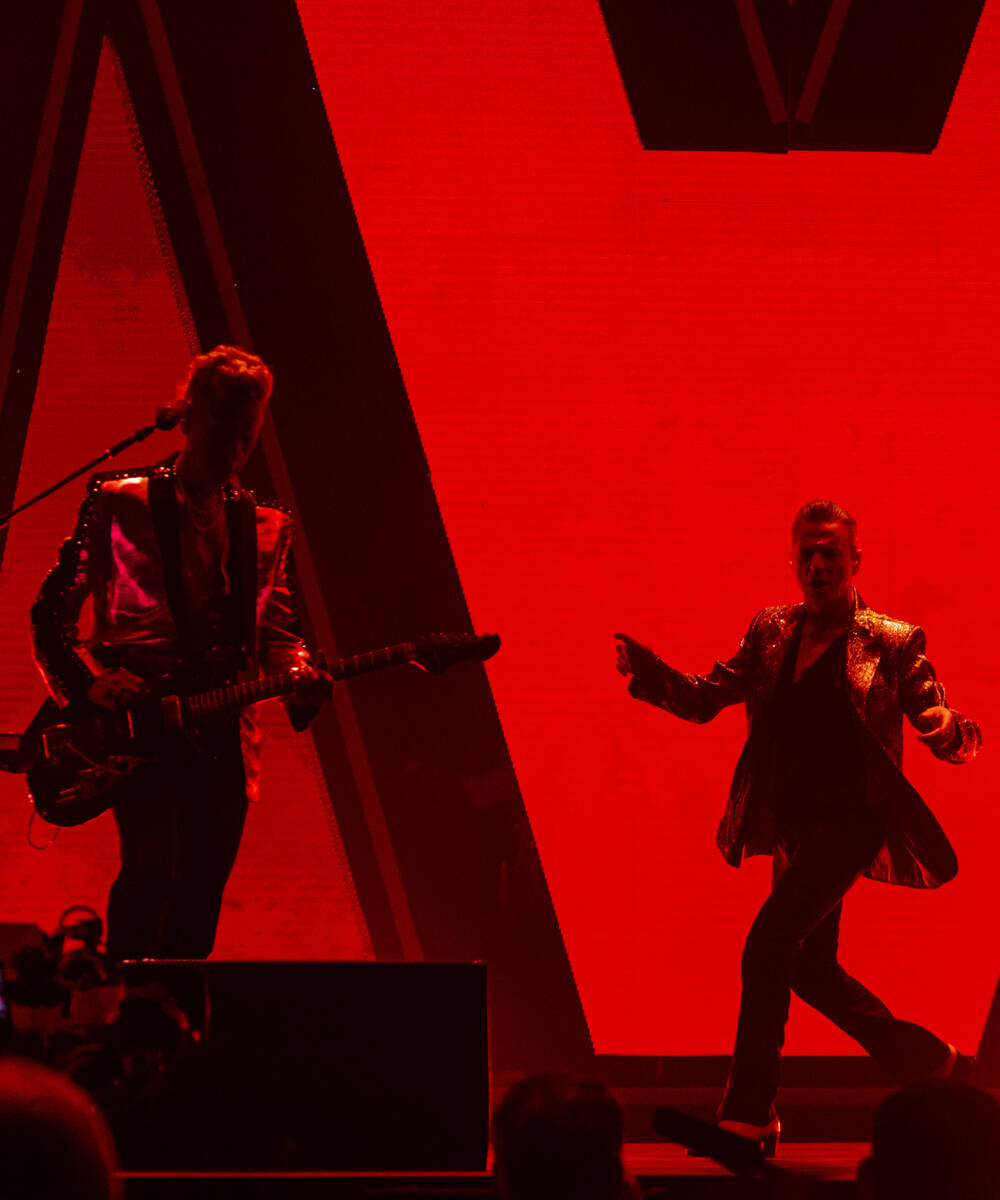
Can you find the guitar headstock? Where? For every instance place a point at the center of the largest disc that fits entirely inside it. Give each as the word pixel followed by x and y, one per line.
pixel 436 652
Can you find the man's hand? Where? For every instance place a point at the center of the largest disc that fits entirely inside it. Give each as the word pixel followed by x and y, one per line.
pixel 116 688
pixel 312 685
pixel 633 657
pixel 937 727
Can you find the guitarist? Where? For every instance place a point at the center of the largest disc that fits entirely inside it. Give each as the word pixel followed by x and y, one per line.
pixel 184 575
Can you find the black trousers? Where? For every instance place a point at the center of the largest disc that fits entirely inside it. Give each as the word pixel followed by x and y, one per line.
pixel 179 827
pixel 792 946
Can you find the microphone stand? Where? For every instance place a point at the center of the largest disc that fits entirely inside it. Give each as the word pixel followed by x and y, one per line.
pixel 165 419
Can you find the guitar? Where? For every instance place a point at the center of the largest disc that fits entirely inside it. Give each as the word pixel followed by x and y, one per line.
pixel 79 757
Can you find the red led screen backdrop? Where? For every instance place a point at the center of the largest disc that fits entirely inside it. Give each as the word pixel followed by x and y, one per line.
pixel 628 369
pixel 115 350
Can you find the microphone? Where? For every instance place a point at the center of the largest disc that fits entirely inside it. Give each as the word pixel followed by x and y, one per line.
pixel 167 417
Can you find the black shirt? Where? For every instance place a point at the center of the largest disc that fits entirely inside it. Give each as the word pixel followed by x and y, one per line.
pixel 819 763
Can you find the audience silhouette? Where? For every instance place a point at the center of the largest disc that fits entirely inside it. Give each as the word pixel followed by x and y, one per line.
pixel 934 1140
pixel 557 1137
pixel 53 1141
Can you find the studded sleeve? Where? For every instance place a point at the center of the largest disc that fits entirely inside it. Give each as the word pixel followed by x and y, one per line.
pixel 60 652
pixel 281 643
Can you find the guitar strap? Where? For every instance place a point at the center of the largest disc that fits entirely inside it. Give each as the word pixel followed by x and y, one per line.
pixel 166 527
pixel 240 612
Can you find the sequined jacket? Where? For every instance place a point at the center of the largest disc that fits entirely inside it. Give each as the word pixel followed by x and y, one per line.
pixel 888 676
pixel 117 566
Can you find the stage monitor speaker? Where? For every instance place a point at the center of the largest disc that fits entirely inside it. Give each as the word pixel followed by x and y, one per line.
pixel 311 1066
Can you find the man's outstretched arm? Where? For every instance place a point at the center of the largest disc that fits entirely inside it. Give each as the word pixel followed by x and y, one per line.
pixel 696 698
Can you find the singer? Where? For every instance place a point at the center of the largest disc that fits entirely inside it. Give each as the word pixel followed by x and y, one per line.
pixel 826 684
pixel 186 575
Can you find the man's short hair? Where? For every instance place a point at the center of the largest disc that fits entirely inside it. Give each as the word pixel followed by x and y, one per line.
pixel 227 379
pixel 557 1137
pixel 825 512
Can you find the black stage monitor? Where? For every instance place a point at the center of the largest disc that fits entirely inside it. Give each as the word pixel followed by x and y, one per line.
pixel 310 1066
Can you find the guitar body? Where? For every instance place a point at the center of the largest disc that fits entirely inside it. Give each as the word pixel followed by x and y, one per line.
pixel 83 757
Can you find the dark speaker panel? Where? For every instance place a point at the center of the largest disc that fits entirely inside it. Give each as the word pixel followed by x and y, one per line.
pixel 317 1066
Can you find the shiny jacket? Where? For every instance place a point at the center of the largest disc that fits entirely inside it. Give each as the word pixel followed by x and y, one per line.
pixel 888 675
pixel 114 565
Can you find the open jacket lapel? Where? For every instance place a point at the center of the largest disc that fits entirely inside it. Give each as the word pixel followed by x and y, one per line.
pixel 241 571
pixel 864 650
pixel 166 528
pixel 774 652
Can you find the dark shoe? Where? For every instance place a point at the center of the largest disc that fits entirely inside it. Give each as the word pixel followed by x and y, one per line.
pixel 957 1066
pixel 966 1069
pixel 766 1136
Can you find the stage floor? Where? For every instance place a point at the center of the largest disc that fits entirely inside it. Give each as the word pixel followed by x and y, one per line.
pixel 821 1160
pixel 653 1164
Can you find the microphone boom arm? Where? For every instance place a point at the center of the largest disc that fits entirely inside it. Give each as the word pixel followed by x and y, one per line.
pixel 140 435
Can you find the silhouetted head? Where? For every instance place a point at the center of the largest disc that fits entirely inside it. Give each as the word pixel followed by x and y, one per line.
pixel 825 512
pixel 935 1140
pixel 222 400
pixel 825 555
pixel 558 1138
pixel 53 1142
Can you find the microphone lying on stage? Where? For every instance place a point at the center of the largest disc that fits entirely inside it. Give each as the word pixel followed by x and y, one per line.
pixel 737 1154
